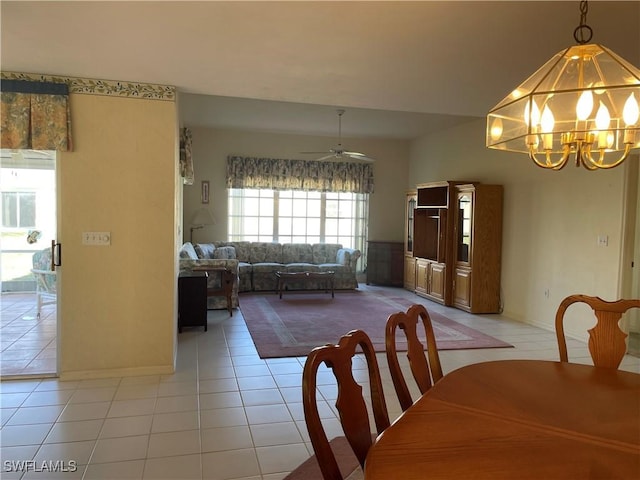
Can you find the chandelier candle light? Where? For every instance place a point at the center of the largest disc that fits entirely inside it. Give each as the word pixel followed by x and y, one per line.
pixel 583 101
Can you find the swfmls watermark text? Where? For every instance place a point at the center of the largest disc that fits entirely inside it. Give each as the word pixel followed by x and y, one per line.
pixel 63 466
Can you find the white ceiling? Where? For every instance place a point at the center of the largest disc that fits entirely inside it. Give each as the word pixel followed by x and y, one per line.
pixel 400 69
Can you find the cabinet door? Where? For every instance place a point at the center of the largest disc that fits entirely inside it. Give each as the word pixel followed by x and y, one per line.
pixel 192 300
pixel 464 227
pixel 462 288
pixel 409 273
pixel 422 271
pixel 410 207
pixel 437 280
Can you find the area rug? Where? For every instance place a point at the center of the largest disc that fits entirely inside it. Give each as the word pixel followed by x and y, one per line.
pixel 300 321
pixel 309 469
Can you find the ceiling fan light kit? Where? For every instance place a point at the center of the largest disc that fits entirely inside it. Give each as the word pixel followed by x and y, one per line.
pixel 583 101
pixel 338 152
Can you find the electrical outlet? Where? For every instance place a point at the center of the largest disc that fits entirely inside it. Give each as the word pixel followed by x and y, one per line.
pixel 603 240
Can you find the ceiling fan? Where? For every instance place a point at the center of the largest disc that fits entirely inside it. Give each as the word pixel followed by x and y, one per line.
pixel 339 152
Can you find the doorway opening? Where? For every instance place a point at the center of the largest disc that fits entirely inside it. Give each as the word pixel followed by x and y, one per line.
pixel 28 329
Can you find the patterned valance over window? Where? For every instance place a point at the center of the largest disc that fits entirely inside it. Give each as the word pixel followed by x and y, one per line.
pixel 186 160
pixel 35 115
pixel 280 174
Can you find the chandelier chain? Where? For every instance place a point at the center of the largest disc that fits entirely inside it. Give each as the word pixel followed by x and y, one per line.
pixel 583 32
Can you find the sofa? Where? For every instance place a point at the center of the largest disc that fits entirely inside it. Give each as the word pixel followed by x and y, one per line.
pixel 189 259
pixel 258 262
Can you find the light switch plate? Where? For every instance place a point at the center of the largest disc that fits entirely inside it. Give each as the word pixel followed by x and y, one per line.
pixel 96 238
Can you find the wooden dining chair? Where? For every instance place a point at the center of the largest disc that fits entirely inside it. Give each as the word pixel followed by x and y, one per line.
pixel 607 344
pixel 425 371
pixel 350 402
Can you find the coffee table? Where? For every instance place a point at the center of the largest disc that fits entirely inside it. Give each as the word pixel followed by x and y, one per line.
pixel 284 278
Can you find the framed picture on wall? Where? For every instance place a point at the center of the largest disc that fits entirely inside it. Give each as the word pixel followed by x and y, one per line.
pixel 205 191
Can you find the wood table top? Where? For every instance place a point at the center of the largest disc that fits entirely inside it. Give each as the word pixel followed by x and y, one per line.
pixel 517 419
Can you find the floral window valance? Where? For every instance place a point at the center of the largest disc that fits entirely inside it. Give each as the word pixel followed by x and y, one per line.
pixel 282 174
pixel 35 115
pixel 186 160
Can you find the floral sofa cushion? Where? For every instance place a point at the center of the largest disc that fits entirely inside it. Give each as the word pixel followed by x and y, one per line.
pixel 263 252
pixel 225 253
pixel 325 252
pixel 297 253
pixel 243 249
pixel 245 271
pixel 264 276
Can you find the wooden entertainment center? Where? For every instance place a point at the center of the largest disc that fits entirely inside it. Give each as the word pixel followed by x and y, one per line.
pixel 453 244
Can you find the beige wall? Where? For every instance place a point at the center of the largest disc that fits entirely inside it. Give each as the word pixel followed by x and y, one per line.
pixel 117 303
pixel 212 146
pixel 551 221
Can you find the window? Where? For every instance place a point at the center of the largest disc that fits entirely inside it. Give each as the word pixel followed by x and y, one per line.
pixel 293 216
pixel 18 209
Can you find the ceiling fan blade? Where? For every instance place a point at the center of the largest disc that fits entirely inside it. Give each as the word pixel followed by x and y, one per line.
pixel 339 152
pixel 332 156
pixel 359 156
pixel 315 153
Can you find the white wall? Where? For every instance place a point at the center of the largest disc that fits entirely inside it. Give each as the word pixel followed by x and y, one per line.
pixel 211 147
pixel 551 221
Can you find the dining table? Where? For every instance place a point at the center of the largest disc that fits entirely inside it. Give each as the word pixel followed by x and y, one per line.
pixel 516 419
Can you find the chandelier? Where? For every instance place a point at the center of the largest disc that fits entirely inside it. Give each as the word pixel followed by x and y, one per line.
pixel 584 101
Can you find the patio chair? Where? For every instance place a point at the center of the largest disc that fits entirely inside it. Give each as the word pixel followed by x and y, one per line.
pixel 45 279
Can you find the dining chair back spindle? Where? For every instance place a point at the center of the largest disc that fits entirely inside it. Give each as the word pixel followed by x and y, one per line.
pixel 607 344
pixel 350 403
pixel 425 371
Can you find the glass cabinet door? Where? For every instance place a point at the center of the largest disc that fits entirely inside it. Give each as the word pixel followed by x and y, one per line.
pixel 465 200
pixel 411 205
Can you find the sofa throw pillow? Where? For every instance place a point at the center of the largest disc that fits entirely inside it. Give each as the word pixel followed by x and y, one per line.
pixel 224 253
pixel 187 251
pixel 198 250
pixel 204 250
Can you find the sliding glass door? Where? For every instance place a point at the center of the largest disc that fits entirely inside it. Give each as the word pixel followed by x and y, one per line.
pixel 28 281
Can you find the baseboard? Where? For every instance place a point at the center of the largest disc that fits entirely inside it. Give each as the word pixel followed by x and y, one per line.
pixel 117 372
pixel 582 336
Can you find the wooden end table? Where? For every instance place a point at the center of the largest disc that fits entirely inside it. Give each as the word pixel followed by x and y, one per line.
pixel 227 279
pixel 284 278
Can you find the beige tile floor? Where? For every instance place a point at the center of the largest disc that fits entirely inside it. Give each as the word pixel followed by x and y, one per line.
pixel 224 413
pixel 27 343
